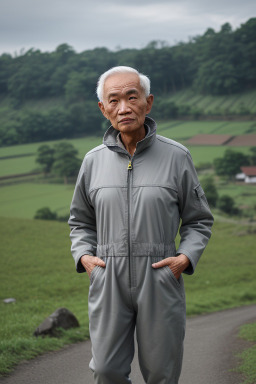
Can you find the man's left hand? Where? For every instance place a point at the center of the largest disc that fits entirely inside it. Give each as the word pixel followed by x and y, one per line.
pixel 177 264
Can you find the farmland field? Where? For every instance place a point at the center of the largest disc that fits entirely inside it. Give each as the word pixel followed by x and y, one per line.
pixel 177 130
pixel 220 104
pixel 186 129
pixel 206 154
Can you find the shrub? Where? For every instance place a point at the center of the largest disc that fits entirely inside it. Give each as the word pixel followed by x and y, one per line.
pixel 45 214
pixel 210 191
pixel 227 204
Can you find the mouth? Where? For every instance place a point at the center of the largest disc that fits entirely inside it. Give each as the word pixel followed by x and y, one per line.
pixel 126 120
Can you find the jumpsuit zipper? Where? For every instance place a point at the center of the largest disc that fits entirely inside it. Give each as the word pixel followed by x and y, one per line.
pixel 129 221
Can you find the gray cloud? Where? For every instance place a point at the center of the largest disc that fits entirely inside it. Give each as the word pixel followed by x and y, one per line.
pixel 85 24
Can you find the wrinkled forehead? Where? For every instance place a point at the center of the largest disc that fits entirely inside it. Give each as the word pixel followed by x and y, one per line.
pixel 120 83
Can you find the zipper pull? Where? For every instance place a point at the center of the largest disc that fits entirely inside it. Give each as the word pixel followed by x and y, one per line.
pixel 129 165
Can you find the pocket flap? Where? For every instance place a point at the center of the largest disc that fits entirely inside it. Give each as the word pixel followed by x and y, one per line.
pixel 199 191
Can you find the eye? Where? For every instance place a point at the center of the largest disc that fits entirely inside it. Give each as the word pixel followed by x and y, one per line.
pixel 132 98
pixel 113 101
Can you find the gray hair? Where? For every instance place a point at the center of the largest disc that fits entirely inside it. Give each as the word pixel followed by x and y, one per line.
pixel 144 80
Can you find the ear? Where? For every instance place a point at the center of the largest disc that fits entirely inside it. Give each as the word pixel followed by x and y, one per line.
pixel 150 100
pixel 102 108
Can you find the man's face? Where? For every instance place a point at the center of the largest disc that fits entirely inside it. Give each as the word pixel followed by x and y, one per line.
pixel 124 102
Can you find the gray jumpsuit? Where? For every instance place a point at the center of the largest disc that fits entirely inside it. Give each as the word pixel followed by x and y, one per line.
pixel 127 211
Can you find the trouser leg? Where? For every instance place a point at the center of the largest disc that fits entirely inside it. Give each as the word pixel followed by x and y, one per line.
pixel 160 326
pixel 112 325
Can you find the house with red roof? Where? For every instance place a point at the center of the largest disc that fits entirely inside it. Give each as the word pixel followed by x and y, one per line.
pixel 248 174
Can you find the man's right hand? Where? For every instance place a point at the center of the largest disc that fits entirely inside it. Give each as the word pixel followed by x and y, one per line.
pixel 90 262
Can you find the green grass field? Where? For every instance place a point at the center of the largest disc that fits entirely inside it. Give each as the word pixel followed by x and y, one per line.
pixel 18 165
pixel 38 271
pixel 206 154
pixel 36 268
pixel 23 200
pixel 248 356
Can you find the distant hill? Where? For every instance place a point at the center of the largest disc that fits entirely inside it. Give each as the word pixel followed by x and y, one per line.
pixel 48 96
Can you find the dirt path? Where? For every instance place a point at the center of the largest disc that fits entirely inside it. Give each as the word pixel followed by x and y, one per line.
pixel 210 345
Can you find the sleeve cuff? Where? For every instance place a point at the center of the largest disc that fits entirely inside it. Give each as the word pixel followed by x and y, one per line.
pixel 191 268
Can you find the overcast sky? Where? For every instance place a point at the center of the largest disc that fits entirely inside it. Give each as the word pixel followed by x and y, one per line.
pixel 86 24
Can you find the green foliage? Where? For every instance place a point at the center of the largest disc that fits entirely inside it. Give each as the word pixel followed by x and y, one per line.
pixel 164 109
pixel 230 164
pixel 45 157
pixel 216 63
pixel 243 196
pixel 81 86
pixel 216 78
pixel 210 190
pixel 248 356
pixel 66 162
pixel 30 125
pixel 45 214
pixel 227 204
pixel 252 156
pixel 62 160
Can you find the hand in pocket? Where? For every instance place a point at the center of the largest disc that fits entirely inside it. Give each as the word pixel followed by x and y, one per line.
pixel 90 262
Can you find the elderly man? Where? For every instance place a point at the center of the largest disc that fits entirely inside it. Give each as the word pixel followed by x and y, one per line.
pixel 131 193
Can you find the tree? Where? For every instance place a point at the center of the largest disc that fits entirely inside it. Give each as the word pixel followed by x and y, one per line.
pixel 85 118
pixel 229 165
pixel 210 191
pixel 81 86
pixel 66 162
pixel 253 155
pixel 164 109
pixel 216 76
pixel 226 204
pixel 45 157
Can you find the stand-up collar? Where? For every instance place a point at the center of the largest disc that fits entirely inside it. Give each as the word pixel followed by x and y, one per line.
pixel 110 138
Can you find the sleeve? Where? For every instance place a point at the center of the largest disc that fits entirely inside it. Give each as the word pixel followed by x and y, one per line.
pixel 196 217
pixel 82 222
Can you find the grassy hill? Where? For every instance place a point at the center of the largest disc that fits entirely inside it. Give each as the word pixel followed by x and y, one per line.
pixel 240 104
pixel 236 104
pixel 36 268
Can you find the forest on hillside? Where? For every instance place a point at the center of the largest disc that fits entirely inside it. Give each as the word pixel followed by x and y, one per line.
pixel 216 63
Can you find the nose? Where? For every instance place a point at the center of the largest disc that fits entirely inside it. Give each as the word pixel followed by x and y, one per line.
pixel 123 107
